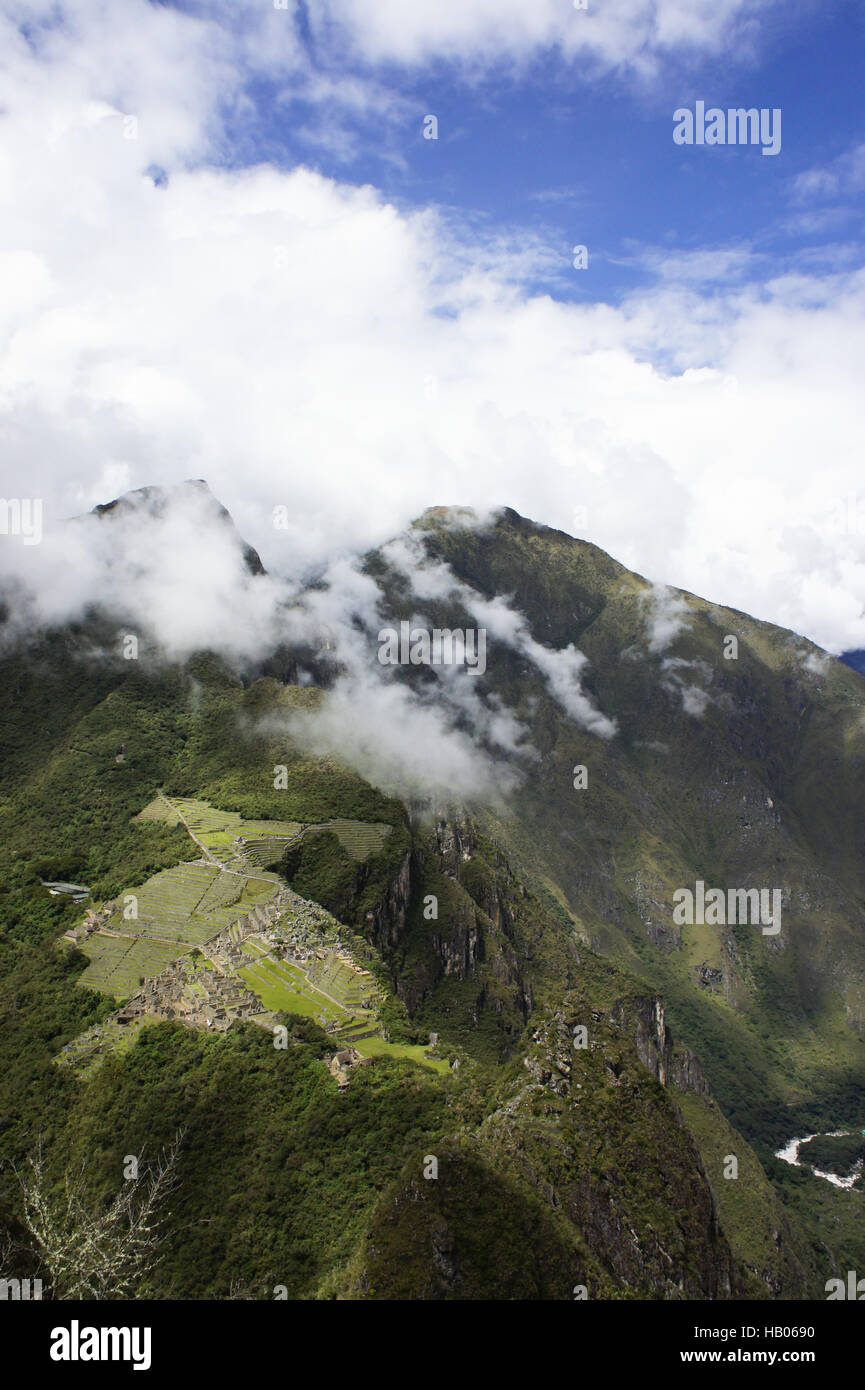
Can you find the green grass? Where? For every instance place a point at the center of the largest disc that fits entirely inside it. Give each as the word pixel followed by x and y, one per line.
pixel 282 989
pixel 269 839
pixel 219 829
pixel 278 994
pixel 178 909
pixel 287 988
pixel 118 964
pixel 377 1047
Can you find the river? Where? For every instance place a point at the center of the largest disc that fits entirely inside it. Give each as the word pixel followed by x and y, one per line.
pixel 790 1154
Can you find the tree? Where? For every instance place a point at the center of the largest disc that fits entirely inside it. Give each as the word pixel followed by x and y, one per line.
pixel 90 1253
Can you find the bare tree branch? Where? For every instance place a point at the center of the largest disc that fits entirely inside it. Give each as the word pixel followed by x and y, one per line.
pixel 98 1254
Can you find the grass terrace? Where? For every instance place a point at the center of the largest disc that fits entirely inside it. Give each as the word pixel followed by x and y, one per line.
pixel 265 841
pixel 118 964
pixel 178 909
pixel 412 1052
pixel 283 989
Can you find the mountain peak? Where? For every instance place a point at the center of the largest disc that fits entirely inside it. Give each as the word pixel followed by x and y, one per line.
pixel 154 498
pixel 155 501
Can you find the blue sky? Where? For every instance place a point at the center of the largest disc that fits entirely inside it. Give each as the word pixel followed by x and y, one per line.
pixel 227 251
pixel 570 158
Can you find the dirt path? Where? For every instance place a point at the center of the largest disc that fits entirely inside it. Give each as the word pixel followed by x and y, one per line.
pixel 202 846
pixel 317 989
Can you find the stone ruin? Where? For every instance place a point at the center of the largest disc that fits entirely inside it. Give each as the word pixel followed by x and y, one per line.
pixel 213 997
pixel 204 998
pixel 342 1063
pixel 93 921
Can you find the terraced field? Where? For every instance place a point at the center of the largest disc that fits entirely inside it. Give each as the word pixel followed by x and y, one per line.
pixel 360 838
pixel 159 809
pixel 118 964
pixel 220 831
pixel 265 841
pixel 181 908
pixel 282 988
pixel 177 909
pixel 341 981
pixel 267 849
pixel 286 988
pixel 191 902
pixel 330 990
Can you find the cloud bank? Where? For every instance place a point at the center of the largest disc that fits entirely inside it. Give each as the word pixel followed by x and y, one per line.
pixel 446 737
pixel 304 344
pixel 171 568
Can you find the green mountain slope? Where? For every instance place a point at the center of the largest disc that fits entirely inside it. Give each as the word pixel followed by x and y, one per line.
pixel 564 1159
pixel 763 788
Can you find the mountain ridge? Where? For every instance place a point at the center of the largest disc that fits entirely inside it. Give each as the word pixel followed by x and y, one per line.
pixel 553 912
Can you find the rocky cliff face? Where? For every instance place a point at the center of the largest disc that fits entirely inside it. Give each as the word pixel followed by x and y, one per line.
pixel 388 918
pixel 744 772
pixel 597 1067
pixel 645 1021
pixel 447 921
pixel 588 1153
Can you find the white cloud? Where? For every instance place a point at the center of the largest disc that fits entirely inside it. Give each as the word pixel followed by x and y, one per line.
pixel 299 341
pixel 695 698
pixel 562 668
pixel 842 176
pixel 442 742
pixel 400 742
pixel 666 616
pixel 176 577
pixel 704 267
pixel 477 33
